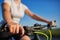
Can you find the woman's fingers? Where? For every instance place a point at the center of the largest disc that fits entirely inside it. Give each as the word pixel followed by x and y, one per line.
pixel 21 30
pixel 17 29
pixel 52 23
pixel 10 28
pixel 14 29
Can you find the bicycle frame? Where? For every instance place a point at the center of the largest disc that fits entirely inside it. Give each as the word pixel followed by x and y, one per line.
pixel 41 33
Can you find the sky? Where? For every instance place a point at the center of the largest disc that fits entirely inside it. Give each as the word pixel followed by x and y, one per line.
pixel 48 9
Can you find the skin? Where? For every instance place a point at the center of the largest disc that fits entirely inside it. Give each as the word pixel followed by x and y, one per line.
pixel 14 27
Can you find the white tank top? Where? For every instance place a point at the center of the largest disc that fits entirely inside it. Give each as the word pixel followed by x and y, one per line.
pixel 17 11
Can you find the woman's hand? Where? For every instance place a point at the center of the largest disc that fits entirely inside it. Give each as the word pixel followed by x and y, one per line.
pixel 21 30
pixel 52 23
pixel 15 28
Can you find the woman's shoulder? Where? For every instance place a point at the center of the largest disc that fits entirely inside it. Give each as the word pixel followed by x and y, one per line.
pixel 8 2
pixel 24 6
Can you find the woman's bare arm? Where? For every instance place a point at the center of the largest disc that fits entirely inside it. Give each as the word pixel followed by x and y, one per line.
pixel 13 27
pixel 6 13
pixel 36 17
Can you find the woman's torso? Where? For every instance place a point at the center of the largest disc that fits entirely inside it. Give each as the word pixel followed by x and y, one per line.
pixel 17 11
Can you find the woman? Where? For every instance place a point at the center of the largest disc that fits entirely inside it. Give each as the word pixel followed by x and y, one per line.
pixel 13 11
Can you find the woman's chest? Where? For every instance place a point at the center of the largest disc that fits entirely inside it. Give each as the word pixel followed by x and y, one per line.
pixel 17 10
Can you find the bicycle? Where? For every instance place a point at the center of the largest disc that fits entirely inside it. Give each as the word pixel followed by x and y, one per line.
pixel 36 31
pixel 4 32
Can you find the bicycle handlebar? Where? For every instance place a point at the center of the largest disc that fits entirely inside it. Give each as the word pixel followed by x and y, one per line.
pixel 7 33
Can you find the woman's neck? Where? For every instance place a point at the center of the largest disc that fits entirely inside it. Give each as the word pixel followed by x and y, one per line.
pixel 18 1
